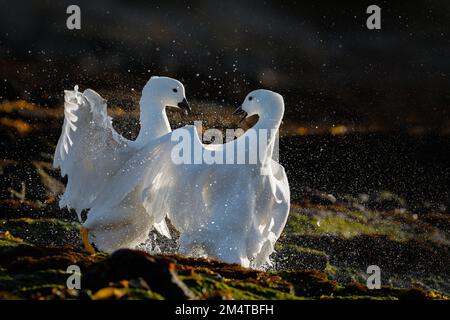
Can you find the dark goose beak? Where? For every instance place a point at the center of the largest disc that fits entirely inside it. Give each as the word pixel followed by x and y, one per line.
pixel 184 105
pixel 239 111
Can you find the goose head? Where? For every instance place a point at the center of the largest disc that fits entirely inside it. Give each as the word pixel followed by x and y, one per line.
pixel 166 92
pixel 266 104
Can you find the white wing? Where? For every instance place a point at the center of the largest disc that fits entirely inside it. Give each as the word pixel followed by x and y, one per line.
pixel 269 220
pixel 247 213
pixel 164 187
pixel 89 150
pixel 247 207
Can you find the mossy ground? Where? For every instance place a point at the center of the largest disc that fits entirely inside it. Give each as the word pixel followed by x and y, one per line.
pixel 342 242
pixel 28 278
pixel 38 277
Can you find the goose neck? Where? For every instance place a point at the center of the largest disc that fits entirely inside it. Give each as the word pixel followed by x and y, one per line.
pixel 153 120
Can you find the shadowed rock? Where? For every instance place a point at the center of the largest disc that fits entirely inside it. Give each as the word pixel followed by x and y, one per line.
pixel 26 258
pixel 124 264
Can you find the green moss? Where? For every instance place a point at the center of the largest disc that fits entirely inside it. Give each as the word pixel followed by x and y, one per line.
pixel 355 297
pixel 303 250
pixel 299 225
pixel 261 292
pixel 8 243
pixel 6 280
pixel 340 226
pixel 204 286
pixel 31 281
pixel 29 222
pixel 8 240
pixel 240 290
pixel 36 231
pixel 140 294
pixel 330 270
pixel 344 223
pixel 39 287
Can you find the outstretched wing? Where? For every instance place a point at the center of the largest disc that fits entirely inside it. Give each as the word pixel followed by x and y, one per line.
pixel 89 150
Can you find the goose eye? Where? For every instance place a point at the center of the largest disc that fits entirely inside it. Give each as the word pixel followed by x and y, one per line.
pixel 175 90
pixel 250 98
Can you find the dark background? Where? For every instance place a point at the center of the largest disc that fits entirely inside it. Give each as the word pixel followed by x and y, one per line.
pixel 319 55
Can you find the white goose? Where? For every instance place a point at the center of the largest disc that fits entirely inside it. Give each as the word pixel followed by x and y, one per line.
pixel 90 152
pixel 234 212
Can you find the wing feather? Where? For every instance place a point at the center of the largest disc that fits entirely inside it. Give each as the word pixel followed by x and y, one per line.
pixel 89 150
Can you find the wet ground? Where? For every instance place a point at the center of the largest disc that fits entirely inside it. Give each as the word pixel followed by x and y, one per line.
pixel 359 199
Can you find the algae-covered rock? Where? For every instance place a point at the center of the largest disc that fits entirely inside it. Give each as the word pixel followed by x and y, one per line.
pixel 127 264
pixel 309 282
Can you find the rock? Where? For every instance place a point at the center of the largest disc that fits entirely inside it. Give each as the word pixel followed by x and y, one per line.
pixel 363 197
pixel 386 200
pixel 126 264
pixel 309 282
pixel 138 283
pixel 355 202
pixel 26 258
pixel 322 198
pixel 355 289
pixel 426 207
pixel 413 294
